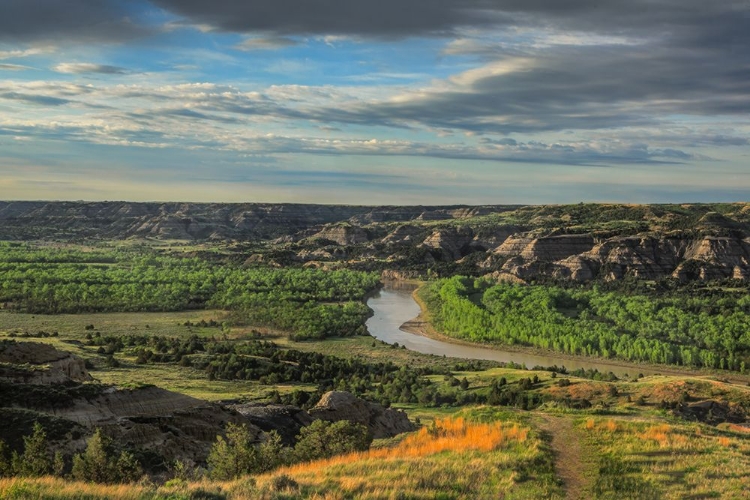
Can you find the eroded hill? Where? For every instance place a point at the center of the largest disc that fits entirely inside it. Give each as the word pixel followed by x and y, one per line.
pixel 576 242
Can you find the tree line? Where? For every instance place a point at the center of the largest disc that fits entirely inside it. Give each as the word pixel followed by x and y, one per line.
pixel 696 331
pixel 311 303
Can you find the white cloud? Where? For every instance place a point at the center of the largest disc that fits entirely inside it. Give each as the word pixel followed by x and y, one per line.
pixel 20 53
pixel 82 68
pixel 13 67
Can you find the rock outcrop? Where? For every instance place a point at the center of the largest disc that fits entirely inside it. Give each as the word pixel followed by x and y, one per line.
pixel 513 245
pixel 711 412
pixel 554 248
pixel 37 363
pixel 581 258
pixel 719 257
pixel 343 234
pixel 382 422
pixel 403 235
pixel 575 242
pixel 286 420
pixel 451 242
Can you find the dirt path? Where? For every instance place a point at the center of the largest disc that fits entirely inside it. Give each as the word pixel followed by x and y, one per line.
pixel 569 452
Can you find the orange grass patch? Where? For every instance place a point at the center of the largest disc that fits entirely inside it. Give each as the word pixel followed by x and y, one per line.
pixel 609 426
pixel 445 435
pixel 659 433
pixel 581 390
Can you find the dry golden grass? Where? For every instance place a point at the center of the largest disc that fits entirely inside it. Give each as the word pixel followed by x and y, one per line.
pixel 446 435
pixel 454 458
pixel 48 487
pixel 670 460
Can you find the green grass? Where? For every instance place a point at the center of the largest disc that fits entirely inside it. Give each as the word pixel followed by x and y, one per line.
pixel 73 326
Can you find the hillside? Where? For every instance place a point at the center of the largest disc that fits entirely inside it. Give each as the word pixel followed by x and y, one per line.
pixel 570 243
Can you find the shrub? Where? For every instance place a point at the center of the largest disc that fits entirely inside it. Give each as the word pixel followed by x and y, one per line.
pixel 325 439
pixel 284 483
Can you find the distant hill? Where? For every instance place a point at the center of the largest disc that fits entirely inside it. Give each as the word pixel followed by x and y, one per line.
pixel 580 242
pixel 33 220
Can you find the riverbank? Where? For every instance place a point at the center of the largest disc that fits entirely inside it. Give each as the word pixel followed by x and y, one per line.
pixel 421 326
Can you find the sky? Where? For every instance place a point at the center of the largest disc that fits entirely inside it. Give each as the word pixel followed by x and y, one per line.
pixel 375 102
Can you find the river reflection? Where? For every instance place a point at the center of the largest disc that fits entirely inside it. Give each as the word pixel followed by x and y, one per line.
pixel 394 306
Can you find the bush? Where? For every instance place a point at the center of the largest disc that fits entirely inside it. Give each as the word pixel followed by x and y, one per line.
pixel 325 439
pixel 284 483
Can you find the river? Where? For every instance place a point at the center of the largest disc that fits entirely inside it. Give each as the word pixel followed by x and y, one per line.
pixel 394 306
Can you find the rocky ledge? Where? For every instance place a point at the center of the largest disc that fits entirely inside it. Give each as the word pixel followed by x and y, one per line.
pixel 382 422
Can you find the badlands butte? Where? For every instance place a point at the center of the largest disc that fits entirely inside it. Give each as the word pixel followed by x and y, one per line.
pixel 581 243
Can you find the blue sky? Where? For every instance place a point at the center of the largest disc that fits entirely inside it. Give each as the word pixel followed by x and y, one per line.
pixel 394 102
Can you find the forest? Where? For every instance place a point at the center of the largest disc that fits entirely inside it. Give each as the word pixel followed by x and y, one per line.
pixel 696 331
pixel 311 303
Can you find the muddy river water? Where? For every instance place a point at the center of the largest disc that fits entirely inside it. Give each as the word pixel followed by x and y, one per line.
pixel 394 306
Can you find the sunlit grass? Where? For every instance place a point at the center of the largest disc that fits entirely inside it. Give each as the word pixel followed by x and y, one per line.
pixel 453 458
pixel 669 460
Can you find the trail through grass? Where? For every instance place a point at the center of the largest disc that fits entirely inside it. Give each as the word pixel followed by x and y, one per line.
pixel 568 449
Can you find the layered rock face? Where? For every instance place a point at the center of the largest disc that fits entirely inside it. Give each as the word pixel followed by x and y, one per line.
pixel 718 258
pixel 173 425
pixel 451 242
pixel 37 363
pixel 581 258
pixel 287 420
pixel 403 235
pixel 344 234
pixel 382 422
